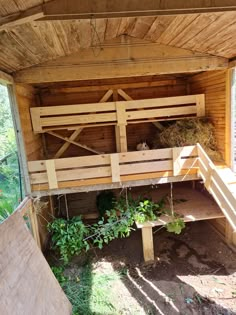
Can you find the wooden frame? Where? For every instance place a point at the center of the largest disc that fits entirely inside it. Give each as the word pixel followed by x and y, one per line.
pixel 116 113
pixel 222 186
pixel 111 168
pixel 60 10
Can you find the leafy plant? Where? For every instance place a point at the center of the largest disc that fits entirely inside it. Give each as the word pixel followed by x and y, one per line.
pixel 148 210
pixel 59 274
pixel 176 226
pixel 71 237
pixel 68 236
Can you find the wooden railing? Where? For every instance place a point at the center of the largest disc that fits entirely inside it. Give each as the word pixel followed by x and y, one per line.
pixel 112 168
pixel 116 113
pixel 218 186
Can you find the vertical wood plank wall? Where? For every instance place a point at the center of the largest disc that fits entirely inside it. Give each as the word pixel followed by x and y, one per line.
pixel 213 85
pixel 26 97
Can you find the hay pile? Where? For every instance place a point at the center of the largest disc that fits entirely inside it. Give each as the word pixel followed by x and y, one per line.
pixel 189 132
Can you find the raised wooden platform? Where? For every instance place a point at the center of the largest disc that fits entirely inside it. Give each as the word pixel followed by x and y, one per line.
pixel 195 207
pixel 115 170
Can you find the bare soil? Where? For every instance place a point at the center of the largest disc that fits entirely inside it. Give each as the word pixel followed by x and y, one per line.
pixel 193 273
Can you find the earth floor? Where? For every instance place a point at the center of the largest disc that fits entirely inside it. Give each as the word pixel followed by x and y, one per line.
pixel 193 273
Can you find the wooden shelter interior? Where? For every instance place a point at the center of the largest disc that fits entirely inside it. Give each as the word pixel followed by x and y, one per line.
pixel 53 56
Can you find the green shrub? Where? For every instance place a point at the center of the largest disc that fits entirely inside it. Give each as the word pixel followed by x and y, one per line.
pixel 71 237
pixel 68 237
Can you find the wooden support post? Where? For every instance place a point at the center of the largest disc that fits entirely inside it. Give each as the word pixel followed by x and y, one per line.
pixel 34 225
pixel 115 168
pixel 230 234
pixel 121 120
pixel 176 161
pixel 117 134
pixel 208 178
pixel 51 173
pixel 200 102
pixel 147 239
pixel 228 119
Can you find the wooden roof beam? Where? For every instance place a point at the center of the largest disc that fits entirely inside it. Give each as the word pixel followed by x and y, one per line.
pixel 63 9
pixel 5 78
pixel 117 61
pixel 19 18
pixel 74 9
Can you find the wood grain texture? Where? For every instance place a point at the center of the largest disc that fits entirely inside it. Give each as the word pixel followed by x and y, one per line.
pixel 26 97
pixel 28 284
pixel 213 85
pixel 211 33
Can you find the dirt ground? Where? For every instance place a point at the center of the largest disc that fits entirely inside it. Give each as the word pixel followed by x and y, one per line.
pixel 193 273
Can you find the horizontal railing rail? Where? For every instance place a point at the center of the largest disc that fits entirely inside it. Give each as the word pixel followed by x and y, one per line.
pixel 48 118
pixel 217 186
pixel 114 168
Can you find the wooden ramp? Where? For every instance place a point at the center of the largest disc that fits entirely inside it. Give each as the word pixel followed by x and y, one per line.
pixel 28 286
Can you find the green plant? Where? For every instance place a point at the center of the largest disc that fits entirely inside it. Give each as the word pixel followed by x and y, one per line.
pixel 59 274
pixel 148 210
pixel 68 236
pixel 176 226
pixel 71 237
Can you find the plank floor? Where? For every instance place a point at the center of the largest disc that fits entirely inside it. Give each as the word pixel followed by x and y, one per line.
pixel 191 204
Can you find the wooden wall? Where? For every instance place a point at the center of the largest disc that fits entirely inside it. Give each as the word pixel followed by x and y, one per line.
pixel 26 98
pixel 213 85
pixel 102 139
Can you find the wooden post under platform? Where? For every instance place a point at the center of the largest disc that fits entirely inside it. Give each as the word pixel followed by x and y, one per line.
pixel 147 239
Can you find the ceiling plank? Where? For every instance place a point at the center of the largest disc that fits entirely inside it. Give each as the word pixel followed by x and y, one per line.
pixel 73 9
pixel 126 8
pixel 22 17
pixel 131 58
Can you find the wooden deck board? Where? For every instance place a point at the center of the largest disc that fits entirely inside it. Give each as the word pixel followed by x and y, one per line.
pixel 196 207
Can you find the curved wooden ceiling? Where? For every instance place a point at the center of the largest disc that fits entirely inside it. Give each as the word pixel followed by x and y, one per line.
pixel 33 43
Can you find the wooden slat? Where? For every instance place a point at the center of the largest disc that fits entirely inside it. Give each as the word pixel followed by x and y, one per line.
pixel 44 118
pixel 147 240
pixel 122 138
pixel 121 113
pixel 115 168
pixel 74 162
pixel 176 161
pixel 127 181
pixel 187 110
pixel 200 102
pixel 76 108
pixel 51 174
pixel 161 102
pixel 78 119
pixel 74 142
pixel 66 145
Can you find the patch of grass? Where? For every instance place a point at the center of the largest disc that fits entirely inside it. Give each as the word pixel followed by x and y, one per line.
pixel 89 291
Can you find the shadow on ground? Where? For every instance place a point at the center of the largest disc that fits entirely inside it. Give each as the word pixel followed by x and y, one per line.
pixel 193 273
